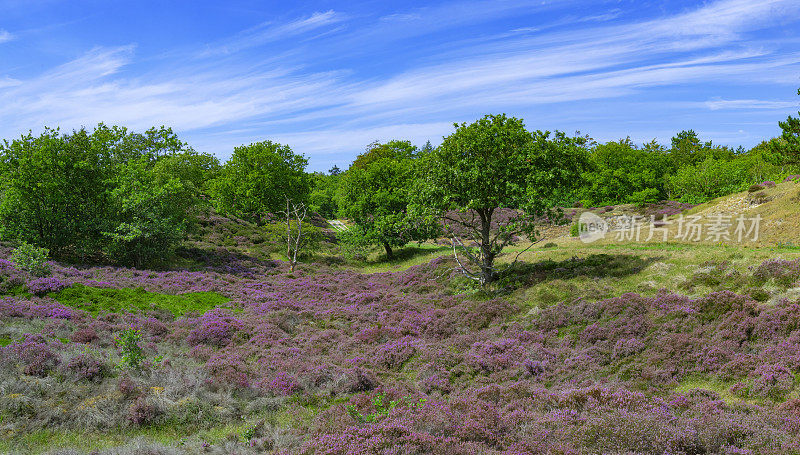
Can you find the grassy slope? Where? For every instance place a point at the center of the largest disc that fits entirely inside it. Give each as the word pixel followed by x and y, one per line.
pixel 627 267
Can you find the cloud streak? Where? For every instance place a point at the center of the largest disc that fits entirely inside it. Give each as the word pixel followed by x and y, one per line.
pixel 307 92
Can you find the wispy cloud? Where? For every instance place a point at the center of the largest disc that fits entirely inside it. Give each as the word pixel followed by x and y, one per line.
pixel 335 109
pixel 5 36
pixel 749 104
pixel 269 32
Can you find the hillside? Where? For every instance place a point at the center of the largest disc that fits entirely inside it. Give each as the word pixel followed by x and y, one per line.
pixel 778 208
pixel 608 347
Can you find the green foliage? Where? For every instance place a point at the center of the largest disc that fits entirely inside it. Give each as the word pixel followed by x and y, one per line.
pixel 576 228
pixel 789 145
pixel 194 170
pixel 496 163
pixel 55 188
pixel 323 197
pixel 375 194
pixel 383 408
pixel 709 179
pixel 258 179
pixel 620 173
pixel 98 301
pixel 131 353
pixel 31 259
pixel 112 191
pixel 688 150
pixel 152 211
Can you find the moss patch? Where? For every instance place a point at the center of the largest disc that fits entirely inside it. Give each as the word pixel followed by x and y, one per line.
pixel 97 300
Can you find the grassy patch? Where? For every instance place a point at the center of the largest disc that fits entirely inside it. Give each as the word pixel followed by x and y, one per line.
pixel 715 385
pixel 402 259
pixel 5 341
pixel 97 300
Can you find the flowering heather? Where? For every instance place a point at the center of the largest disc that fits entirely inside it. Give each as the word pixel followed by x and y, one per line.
pixel 42 286
pixel 456 374
pixel 783 271
pixel 86 366
pixel 32 355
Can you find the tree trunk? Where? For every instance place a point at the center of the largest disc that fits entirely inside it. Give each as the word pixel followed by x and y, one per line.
pixel 388 250
pixel 487 256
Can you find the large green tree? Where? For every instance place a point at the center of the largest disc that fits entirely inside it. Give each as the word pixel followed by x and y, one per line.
pixel 488 165
pixel 55 190
pixel 72 193
pixel 621 172
pixel 375 194
pixel 152 213
pixel 790 138
pixel 259 178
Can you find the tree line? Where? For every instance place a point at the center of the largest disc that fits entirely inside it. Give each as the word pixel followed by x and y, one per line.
pixel 113 195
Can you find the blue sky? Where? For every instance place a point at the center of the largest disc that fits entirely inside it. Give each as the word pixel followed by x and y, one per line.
pixel 328 77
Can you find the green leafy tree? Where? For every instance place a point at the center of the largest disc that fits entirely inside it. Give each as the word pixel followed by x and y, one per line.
pixel 55 190
pixel 32 259
pixel 708 179
pixel 620 172
pixel 687 149
pixel 323 195
pixel 375 194
pixel 258 179
pixel 488 165
pixel 152 214
pixel 790 136
pixel 194 170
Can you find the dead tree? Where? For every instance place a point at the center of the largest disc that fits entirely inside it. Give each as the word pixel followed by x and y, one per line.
pixel 295 215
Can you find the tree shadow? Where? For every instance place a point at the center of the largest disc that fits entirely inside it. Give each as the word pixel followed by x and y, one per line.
pixel 592 266
pixel 405 254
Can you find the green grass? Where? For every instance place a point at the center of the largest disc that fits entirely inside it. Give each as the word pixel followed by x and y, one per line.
pixel 5 341
pixel 97 301
pixel 402 259
pixel 715 385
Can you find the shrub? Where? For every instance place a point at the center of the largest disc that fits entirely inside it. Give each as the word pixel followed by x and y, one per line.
pixel 128 343
pixel 86 366
pixel 215 328
pixel 31 259
pixel 772 381
pixel 576 228
pixel 759 198
pixel 84 335
pixel 755 188
pixel 32 354
pixel 43 286
pixel 141 412
pixel 784 272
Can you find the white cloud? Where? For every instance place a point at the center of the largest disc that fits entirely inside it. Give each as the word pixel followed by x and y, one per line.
pixel 5 36
pixel 338 112
pixel 268 32
pixel 749 104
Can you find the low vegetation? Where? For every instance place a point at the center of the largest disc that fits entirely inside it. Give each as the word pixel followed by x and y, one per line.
pixel 147 305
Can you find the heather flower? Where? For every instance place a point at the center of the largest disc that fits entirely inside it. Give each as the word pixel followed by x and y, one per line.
pixel 42 286
pixel 86 366
pixel 32 354
pixel 215 328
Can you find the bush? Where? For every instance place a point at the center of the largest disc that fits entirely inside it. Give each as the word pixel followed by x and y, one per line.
pixel 576 228
pixel 86 366
pixel 44 286
pixel 33 355
pixel 755 188
pixel 142 413
pixel 31 259
pixel 128 342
